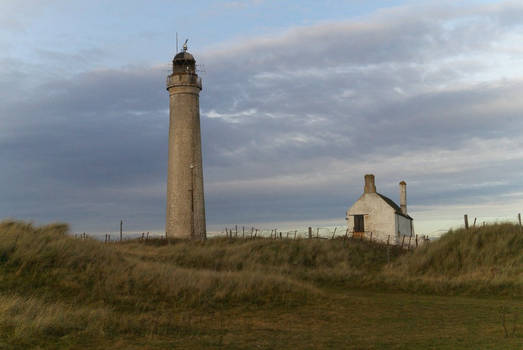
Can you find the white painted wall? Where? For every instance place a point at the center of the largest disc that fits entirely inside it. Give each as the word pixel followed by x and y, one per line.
pixel 404 225
pixel 404 228
pixel 380 218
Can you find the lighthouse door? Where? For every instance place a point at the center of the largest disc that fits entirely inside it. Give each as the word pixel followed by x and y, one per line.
pixel 359 226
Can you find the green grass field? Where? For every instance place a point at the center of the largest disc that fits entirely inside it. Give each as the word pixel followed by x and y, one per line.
pixel 464 291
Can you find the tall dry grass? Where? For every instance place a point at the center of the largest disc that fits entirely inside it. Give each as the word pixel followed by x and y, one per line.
pixel 483 260
pixel 53 286
pixel 48 261
pixel 333 262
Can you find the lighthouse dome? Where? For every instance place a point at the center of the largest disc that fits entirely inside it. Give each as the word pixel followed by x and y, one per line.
pixel 184 62
pixel 184 56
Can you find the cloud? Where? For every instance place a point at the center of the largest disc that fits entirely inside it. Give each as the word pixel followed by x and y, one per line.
pixel 290 123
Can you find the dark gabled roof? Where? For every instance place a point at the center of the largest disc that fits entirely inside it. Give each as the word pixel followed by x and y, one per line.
pixel 394 206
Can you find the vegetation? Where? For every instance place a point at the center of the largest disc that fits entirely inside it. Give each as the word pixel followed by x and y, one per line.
pixel 60 292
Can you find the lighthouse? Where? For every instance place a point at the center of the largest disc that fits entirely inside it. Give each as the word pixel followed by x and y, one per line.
pixel 185 203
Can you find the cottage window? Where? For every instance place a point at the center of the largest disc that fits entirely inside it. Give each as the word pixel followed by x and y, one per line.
pixel 359 223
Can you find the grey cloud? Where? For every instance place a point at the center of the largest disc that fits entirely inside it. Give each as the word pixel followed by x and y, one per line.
pixel 275 107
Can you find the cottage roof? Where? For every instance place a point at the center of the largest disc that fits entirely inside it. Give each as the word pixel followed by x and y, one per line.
pixel 394 206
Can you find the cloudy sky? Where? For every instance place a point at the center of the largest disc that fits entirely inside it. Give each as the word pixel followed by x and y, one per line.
pixel 300 100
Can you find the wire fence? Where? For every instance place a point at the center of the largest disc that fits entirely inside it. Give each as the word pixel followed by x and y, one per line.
pixel 330 232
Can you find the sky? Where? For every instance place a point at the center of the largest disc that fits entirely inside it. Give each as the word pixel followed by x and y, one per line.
pixel 300 100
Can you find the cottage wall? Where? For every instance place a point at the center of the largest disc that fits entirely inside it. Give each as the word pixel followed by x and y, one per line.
pixel 380 218
pixel 404 226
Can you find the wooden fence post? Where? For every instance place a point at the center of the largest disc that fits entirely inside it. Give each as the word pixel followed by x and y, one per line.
pixel 416 241
pixel 388 238
pixel 474 224
pixel 236 228
pixel 371 236
pixel 317 233
pixel 310 232
pixel 466 217
pixel 243 231
pixel 281 235
pixel 121 230
pixel 519 219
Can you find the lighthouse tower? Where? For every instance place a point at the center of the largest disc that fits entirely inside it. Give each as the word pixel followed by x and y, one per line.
pixel 185 203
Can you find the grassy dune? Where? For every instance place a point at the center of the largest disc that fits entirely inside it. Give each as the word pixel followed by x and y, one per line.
pixel 60 292
pixel 483 261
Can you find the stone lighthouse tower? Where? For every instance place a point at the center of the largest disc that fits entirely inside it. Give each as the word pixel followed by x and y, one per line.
pixel 185 203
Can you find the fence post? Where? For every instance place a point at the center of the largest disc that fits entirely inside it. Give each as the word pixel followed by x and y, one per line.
pixel 236 228
pixel 317 233
pixel 121 226
pixel 371 236
pixel 416 241
pixel 243 231
pixel 474 224
pixel 287 235
pixel 296 231
pixel 147 236
pixel 466 217
pixel 388 238
pixel 410 237
pixel 255 233
pixel 281 235
pixel 519 219
pixel 310 232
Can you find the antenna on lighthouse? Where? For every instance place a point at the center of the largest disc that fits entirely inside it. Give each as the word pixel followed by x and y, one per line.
pixel 185 45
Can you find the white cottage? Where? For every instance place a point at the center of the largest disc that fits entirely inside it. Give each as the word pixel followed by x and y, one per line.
pixel 374 213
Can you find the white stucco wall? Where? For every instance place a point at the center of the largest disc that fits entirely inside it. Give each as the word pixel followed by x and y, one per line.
pixel 380 217
pixel 403 228
pixel 404 225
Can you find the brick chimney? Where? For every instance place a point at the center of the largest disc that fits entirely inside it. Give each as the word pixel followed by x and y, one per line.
pixel 403 197
pixel 370 187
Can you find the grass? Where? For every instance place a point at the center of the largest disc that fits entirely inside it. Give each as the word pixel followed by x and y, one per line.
pixel 58 292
